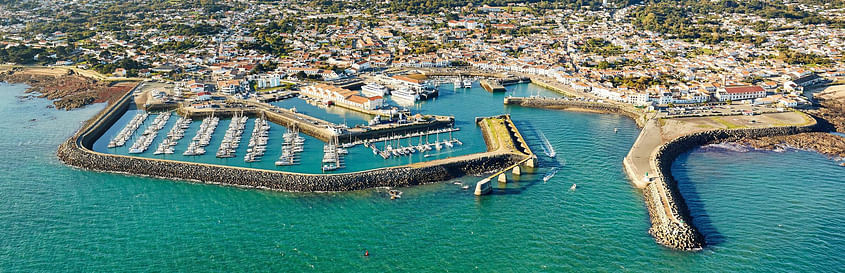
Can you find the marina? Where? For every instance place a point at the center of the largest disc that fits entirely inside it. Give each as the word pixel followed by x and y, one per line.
pixel 232 139
pixel 203 137
pixel 357 141
pixel 146 139
pixel 176 133
pixel 293 144
pixel 258 141
pixel 130 128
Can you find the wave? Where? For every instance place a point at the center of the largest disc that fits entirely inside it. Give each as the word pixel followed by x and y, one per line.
pixel 728 146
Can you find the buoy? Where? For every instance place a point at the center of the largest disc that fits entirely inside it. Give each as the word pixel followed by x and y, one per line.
pixel 366 253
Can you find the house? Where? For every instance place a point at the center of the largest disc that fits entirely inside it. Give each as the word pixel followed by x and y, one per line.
pixel 734 93
pixel 229 86
pixel 120 72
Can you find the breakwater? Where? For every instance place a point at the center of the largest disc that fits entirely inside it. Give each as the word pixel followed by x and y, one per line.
pixel 77 152
pixel 578 105
pixel 492 86
pixel 671 222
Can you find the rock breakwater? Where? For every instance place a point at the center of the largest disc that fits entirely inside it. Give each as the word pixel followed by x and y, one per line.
pixel 671 222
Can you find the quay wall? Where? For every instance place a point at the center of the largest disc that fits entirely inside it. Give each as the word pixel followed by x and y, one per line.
pixel 402 130
pixel 76 151
pixel 672 224
pixel 567 104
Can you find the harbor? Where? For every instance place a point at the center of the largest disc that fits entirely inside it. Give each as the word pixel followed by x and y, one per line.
pixel 420 138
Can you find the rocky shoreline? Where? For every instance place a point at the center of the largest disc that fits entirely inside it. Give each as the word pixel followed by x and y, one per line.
pixel 824 143
pixel 66 89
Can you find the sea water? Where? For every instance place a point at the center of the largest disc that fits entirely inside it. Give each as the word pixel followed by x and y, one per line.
pixel 763 211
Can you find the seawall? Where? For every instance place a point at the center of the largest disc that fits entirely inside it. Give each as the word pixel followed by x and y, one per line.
pixel 578 105
pixel 671 223
pixel 77 152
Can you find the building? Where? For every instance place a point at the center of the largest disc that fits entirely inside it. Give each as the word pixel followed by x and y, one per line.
pixel 229 87
pixel 799 83
pixel 342 97
pixel 734 93
pixel 415 82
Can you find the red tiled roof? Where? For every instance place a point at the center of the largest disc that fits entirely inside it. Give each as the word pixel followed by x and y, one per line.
pixel 744 89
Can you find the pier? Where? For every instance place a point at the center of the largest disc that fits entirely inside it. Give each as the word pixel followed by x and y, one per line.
pixel 501 135
pixel 492 86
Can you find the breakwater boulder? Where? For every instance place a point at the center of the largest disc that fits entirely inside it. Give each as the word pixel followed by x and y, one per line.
pixel 671 222
pixel 77 156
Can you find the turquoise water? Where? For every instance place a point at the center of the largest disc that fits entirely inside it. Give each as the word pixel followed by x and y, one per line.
pixel 767 211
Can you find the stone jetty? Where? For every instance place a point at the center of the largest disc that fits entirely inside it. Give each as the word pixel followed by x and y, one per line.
pixel 578 105
pixel 671 223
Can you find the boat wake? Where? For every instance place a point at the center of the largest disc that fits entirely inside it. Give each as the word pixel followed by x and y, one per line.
pixel 550 174
pixel 547 147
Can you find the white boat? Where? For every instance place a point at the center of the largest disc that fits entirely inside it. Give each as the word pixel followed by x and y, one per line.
pixel 374 89
pixel 405 95
pixel 573 187
pixel 547 147
pixel 467 83
pixel 550 174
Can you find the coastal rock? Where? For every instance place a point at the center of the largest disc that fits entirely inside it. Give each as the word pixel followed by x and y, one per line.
pixel 824 143
pixel 67 90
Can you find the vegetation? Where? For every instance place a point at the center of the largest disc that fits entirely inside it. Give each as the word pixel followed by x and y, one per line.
pixel 601 47
pixel 132 67
pixel 794 57
pixel 638 83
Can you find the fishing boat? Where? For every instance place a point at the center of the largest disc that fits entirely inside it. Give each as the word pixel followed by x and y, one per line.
pixel 547 147
pixel 550 174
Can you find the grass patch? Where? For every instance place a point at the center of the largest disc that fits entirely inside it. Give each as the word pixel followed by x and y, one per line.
pixel 498 134
pixel 726 123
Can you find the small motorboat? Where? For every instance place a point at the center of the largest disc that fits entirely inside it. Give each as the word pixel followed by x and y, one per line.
pixel 573 187
pixel 394 194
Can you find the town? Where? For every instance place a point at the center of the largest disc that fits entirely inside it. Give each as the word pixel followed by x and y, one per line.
pixel 608 52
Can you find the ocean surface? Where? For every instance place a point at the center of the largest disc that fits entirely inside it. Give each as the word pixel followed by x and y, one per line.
pixel 764 211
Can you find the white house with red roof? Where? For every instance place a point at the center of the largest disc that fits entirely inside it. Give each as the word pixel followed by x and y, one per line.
pixel 740 93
